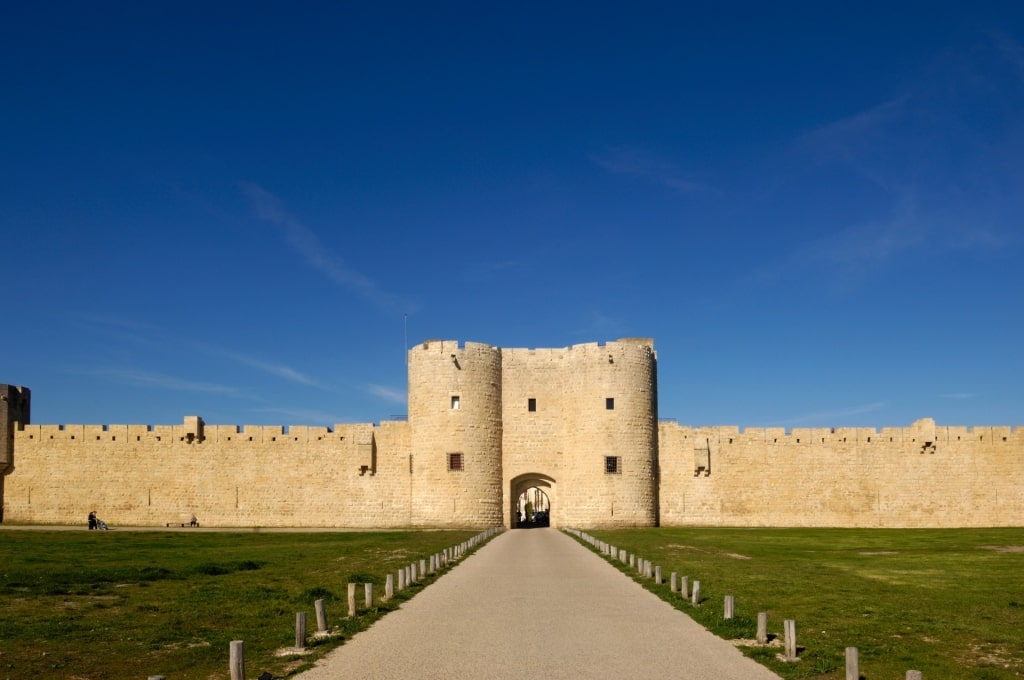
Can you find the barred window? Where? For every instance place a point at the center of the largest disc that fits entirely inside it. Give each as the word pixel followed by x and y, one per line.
pixel 454 462
pixel 531 404
pixel 612 466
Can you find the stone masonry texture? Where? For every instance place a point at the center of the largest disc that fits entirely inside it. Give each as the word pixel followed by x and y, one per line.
pixel 484 425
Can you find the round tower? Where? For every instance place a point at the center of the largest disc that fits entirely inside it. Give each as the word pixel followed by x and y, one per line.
pixel 15 407
pixel 456 428
pixel 611 410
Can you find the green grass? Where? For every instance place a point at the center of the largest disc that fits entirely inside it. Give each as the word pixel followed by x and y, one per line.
pixel 87 605
pixel 949 603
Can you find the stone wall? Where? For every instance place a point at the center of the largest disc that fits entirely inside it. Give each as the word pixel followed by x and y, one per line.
pixel 226 475
pixel 578 422
pixel 920 476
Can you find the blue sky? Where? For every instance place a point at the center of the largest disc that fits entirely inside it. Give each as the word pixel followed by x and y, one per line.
pixel 246 211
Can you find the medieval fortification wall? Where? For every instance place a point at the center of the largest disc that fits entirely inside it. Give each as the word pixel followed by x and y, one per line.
pixel 484 425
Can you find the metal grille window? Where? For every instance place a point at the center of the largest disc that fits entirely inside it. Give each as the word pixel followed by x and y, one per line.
pixel 454 462
pixel 611 465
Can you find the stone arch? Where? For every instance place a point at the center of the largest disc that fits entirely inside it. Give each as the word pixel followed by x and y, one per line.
pixel 528 480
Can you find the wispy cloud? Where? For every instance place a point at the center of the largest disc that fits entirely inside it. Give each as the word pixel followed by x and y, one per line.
pixel 388 394
pixel 860 246
pixel 165 382
pixel 830 417
pixel 305 242
pixel 1011 51
pixel 597 324
pixel 842 260
pixel 958 395
pixel 303 416
pixel 153 335
pixel 846 132
pixel 859 139
pixel 637 163
pixel 279 370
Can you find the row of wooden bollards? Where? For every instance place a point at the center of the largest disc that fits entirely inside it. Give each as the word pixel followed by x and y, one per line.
pixel 404 577
pixel 682 586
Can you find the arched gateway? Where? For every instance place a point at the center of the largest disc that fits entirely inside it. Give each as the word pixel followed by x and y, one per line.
pixel 520 485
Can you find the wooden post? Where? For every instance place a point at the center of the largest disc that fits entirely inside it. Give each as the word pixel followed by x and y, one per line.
pixel 673 582
pixel 914 675
pixel 236 660
pixel 695 599
pixel 300 630
pixel 684 586
pixel 321 616
pixel 728 607
pixel 368 588
pixel 762 628
pixel 852 664
pixel 389 587
pixel 351 600
pixel 789 628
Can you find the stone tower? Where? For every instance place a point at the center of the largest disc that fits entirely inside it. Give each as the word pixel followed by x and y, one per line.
pixel 456 428
pixel 609 476
pixel 15 403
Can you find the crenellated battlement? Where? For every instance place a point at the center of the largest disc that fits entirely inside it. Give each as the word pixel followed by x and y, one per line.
pixel 595 349
pixel 486 424
pixel 923 431
pixel 106 435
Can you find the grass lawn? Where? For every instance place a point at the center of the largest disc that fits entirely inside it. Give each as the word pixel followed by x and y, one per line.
pixel 91 605
pixel 949 603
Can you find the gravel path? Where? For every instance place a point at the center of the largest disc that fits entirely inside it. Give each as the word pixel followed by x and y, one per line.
pixel 534 603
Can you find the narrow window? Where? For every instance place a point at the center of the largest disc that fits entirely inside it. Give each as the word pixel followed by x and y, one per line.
pixel 609 403
pixel 611 465
pixel 531 404
pixel 455 402
pixel 454 462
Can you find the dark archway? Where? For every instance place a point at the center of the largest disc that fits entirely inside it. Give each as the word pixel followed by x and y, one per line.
pixel 532 500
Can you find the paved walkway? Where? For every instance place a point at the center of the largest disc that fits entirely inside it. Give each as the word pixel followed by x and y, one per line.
pixel 536 604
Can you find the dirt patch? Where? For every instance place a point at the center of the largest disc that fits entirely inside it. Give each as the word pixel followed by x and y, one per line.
pixel 292 651
pixel 993 655
pixel 1004 548
pixel 881 553
pixel 737 556
pixel 773 641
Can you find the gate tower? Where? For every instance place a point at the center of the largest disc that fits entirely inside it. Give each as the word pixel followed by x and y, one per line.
pixel 456 428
